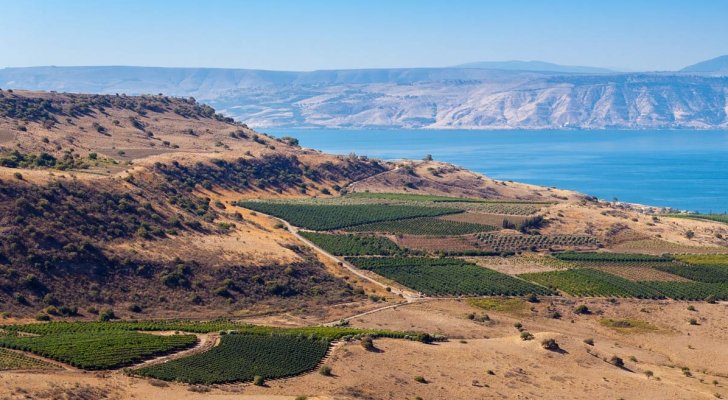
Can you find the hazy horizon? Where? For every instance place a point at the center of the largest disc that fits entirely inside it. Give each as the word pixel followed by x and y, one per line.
pixel 284 35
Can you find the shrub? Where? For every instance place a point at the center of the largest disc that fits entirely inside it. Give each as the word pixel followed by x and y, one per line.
pixel 258 380
pixel 589 341
pixel 525 335
pixel 18 176
pixel 693 321
pixel 550 344
pixel 582 309
pixel 649 374
pixel 367 343
pixel 617 361
pixel 420 379
pixel 107 314
pixel 325 370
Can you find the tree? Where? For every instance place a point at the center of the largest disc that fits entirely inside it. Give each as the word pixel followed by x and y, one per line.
pixel 428 157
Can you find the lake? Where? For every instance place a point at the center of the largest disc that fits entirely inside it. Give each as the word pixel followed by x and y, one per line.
pixel 684 169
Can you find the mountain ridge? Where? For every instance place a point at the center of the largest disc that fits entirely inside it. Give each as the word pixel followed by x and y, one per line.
pixel 415 98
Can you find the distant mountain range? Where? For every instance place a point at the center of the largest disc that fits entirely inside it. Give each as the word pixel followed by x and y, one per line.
pixel 487 95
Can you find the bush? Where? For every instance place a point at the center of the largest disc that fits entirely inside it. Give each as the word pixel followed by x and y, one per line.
pixel 550 344
pixel 325 370
pixel 420 379
pixel 589 341
pixel 367 343
pixel 107 314
pixel 617 361
pixel 525 335
pixel 582 309
pixel 258 380
pixel 532 298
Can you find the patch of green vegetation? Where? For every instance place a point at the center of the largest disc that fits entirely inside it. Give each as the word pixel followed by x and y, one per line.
pixel 330 333
pixel 434 198
pixel 701 273
pixel 424 226
pixel 506 305
pixel 703 259
pixel 327 217
pixel 70 160
pixel 91 350
pixel 447 276
pixel 242 357
pixel 353 245
pixel 691 290
pixel 631 325
pixel 11 360
pixel 591 282
pixel 710 217
pixel 509 242
pixel 610 257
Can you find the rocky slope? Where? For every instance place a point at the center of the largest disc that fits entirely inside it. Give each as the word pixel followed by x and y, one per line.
pixel 459 97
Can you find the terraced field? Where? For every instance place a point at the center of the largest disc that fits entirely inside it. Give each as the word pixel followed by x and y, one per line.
pixel 447 277
pixel 423 226
pixel 241 357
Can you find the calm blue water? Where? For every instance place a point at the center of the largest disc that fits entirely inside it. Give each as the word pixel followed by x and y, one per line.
pixel 681 169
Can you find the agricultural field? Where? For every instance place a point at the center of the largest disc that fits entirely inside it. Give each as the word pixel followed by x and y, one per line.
pixel 423 226
pixel 517 242
pixel 708 217
pixel 447 277
pixel 353 245
pixel 328 217
pixel 591 282
pixel 241 357
pixel 502 208
pixel 435 244
pixel 611 257
pixel 485 219
pixel 488 206
pixel 12 360
pixel 521 264
pixel 91 350
pixel 698 273
pixel 636 271
pixel 703 259
pixel 97 327
pixel 656 246
pixel 691 290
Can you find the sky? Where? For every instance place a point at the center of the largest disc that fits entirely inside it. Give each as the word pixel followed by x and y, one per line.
pixel 308 35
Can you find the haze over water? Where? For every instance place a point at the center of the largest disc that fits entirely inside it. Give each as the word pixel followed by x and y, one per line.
pixel 683 169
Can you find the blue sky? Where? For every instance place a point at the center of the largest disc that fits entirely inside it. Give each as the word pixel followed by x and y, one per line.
pixel 318 34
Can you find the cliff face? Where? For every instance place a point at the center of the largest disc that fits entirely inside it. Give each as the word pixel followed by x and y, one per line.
pixel 466 98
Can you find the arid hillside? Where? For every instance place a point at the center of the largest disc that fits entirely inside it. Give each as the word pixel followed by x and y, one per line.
pixel 186 227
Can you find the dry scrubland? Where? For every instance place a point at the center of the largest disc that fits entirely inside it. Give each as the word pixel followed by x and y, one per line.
pixel 145 208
